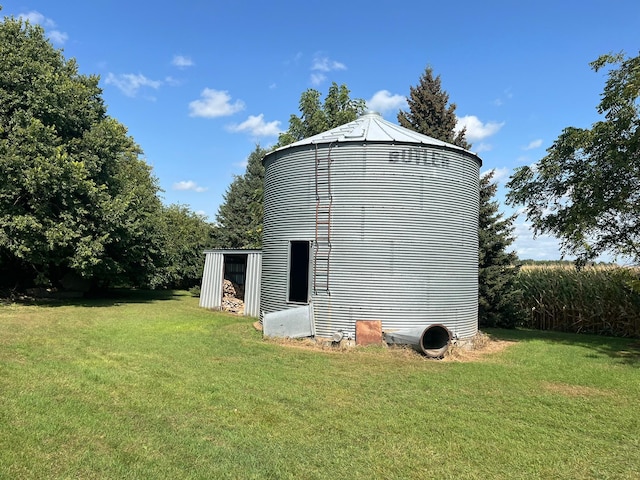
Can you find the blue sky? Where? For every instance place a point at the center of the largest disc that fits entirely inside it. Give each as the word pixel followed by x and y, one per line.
pixel 199 83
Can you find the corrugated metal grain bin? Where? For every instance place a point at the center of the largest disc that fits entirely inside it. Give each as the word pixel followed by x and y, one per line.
pixel 242 267
pixel 372 221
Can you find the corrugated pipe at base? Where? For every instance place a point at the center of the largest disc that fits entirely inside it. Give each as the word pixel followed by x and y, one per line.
pixel 432 341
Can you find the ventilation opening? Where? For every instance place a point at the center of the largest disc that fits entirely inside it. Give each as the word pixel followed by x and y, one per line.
pixel 435 340
pixel 299 271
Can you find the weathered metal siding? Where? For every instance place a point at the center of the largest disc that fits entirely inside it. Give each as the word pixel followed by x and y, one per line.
pixel 404 234
pixel 252 284
pixel 213 277
pixel 289 214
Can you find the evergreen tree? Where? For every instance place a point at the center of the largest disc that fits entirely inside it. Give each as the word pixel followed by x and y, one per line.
pixel 429 113
pixel 498 298
pixel 240 216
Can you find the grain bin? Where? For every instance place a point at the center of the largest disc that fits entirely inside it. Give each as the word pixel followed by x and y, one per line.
pixel 370 221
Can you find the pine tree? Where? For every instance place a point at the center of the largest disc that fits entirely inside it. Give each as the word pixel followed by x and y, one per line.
pixel 239 218
pixel 429 113
pixel 498 298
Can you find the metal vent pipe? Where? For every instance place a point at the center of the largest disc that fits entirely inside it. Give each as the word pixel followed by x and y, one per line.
pixel 432 341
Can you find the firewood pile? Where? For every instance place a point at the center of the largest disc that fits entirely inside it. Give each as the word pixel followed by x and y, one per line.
pixel 232 298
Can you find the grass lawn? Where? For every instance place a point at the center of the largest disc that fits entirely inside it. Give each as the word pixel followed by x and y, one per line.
pixel 149 386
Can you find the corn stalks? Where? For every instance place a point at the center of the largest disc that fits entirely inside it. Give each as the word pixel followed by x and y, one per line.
pixel 599 300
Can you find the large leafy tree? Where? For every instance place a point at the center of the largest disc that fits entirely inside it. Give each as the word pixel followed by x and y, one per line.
pixel 430 112
pixel 316 117
pixel 75 196
pixel 240 216
pixel 586 190
pixel 186 235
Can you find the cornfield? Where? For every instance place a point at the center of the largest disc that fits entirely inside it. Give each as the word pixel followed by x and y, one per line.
pixel 598 300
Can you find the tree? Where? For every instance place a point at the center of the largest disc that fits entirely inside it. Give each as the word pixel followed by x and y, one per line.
pixel 75 196
pixel 186 236
pixel 498 297
pixel 429 113
pixel 315 117
pixel 240 216
pixel 586 189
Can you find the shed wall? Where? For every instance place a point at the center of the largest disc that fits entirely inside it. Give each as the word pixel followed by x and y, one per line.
pixel 212 278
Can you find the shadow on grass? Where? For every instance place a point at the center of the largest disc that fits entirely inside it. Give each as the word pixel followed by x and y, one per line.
pixel 625 350
pixel 107 298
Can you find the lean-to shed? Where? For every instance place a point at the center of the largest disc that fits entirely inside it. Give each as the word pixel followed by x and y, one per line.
pixel 242 267
pixel 370 221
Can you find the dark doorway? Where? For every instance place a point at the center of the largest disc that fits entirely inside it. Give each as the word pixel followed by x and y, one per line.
pixel 299 271
pixel 235 270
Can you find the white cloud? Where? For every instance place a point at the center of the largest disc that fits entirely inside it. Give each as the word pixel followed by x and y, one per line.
pixel 181 61
pixel 56 36
pixel 173 82
pixel 188 185
pixel 482 147
pixel 317 79
pixel 384 101
pixel 37 18
pixel 476 130
pixel 293 60
pixel 499 174
pixel 324 64
pixel 130 83
pixel 214 103
pixel 540 247
pixel 533 144
pixel 506 95
pixel 257 126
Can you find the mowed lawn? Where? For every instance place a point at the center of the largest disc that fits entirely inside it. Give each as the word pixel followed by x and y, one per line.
pixel 150 386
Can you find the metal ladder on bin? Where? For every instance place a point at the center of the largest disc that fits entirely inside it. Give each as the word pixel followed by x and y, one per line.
pixel 324 201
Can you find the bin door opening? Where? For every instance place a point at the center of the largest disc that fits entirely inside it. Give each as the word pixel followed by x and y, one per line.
pixel 299 271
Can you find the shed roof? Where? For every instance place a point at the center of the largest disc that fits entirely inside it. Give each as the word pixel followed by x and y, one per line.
pixel 371 127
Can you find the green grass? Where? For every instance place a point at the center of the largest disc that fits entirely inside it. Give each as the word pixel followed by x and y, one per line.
pixel 153 387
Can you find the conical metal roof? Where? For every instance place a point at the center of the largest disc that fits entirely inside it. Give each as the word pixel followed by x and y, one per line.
pixel 371 127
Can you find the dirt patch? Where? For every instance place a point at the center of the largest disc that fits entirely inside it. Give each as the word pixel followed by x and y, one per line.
pixel 572 390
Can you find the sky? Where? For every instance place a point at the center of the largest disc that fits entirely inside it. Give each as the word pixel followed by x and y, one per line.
pixel 199 84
